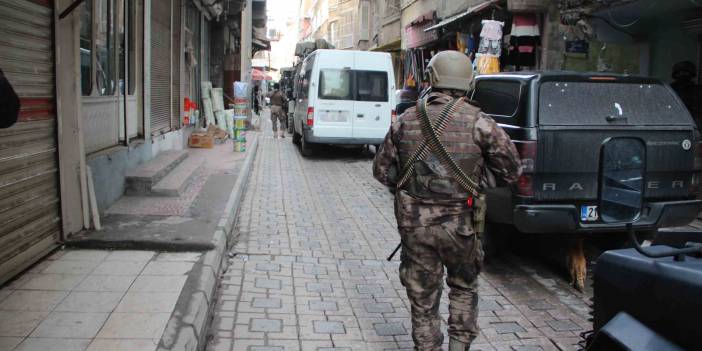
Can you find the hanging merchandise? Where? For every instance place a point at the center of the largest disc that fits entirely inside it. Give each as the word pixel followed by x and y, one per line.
pixel 463 43
pixel 490 48
pixel 524 39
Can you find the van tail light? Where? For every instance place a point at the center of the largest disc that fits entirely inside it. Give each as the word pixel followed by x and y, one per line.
pixel 310 116
pixel 527 153
pixel 393 116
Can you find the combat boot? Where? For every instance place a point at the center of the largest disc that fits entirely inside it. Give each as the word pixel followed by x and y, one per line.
pixel 282 134
pixel 455 345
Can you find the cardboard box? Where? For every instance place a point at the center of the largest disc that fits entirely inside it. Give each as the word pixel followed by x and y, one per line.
pixel 201 140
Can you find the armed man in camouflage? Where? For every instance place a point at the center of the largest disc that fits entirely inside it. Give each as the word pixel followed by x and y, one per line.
pixel 278 100
pixel 436 157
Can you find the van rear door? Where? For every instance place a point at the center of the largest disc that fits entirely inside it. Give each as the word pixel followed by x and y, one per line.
pixel 334 105
pixel 372 109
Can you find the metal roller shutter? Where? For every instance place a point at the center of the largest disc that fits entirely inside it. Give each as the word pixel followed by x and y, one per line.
pixel 176 67
pixel 29 195
pixel 160 66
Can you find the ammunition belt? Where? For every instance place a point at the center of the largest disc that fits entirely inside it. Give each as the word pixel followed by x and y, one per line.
pixel 422 151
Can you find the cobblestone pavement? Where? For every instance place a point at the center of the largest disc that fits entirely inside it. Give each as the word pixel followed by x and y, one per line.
pixel 310 270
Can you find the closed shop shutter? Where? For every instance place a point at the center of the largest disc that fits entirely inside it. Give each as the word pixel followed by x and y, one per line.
pixel 160 66
pixel 29 195
pixel 176 102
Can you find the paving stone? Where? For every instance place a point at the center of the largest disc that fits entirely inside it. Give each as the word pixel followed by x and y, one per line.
pixel 266 325
pixel 268 283
pixel 563 325
pixel 380 307
pixel 390 329
pixel 267 303
pixel 266 348
pixel 527 348
pixel 329 327
pixel 323 306
pixel 489 305
pixel 315 270
pixel 505 328
pixel 540 305
pixel 267 267
pixel 369 289
pixel 319 287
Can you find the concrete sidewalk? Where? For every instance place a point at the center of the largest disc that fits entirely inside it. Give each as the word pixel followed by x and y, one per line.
pixel 89 297
pixel 93 300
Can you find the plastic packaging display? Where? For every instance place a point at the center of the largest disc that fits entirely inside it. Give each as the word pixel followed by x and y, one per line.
pixel 241 90
pixel 209 114
pixel 217 100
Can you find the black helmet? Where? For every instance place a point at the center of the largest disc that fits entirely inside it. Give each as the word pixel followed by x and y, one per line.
pixel 684 69
pixel 276 86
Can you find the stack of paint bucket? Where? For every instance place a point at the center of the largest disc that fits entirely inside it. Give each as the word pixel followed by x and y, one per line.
pixel 239 135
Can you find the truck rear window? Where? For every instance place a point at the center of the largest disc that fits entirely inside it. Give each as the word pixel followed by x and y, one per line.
pixel 337 84
pixel 590 103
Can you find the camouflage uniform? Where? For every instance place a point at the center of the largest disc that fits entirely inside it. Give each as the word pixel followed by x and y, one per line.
pixel 277 114
pixel 434 221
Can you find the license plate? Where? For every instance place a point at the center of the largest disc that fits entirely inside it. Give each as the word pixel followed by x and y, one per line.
pixel 589 214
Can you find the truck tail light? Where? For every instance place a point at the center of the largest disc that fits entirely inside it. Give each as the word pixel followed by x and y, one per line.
pixel 393 116
pixel 527 153
pixel 525 185
pixel 310 116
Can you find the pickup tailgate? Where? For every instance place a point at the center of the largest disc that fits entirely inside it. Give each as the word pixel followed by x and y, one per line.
pixel 577 118
pixel 569 161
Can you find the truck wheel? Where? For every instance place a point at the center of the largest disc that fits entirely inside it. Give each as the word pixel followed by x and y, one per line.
pixel 305 147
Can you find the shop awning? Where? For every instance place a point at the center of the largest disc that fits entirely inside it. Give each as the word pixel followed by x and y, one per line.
pixel 257 74
pixel 471 11
pixel 391 46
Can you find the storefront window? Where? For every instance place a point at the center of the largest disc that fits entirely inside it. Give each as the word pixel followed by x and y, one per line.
pixel 105 47
pixel 86 50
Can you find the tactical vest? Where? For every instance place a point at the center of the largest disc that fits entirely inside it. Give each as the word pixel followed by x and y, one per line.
pixel 432 180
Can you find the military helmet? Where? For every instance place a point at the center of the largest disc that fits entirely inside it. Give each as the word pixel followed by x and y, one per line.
pixel 450 70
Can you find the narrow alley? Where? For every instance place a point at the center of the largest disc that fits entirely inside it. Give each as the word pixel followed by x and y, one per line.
pixel 308 270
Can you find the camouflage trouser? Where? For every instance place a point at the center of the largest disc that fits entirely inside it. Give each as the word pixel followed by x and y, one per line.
pixel 425 252
pixel 277 114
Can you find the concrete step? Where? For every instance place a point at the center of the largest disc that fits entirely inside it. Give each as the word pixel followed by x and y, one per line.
pixel 177 180
pixel 141 179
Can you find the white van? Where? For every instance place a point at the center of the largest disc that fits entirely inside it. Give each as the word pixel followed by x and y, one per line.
pixel 344 98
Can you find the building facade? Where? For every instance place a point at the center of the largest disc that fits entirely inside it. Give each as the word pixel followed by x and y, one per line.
pixel 102 88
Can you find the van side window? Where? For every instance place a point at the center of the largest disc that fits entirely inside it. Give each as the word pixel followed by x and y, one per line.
pixel 498 98
pixel 371 86
pixel 335 84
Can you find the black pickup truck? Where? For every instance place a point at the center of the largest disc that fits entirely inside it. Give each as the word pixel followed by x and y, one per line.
pixel 587 141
